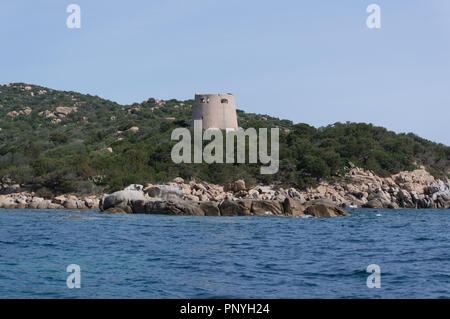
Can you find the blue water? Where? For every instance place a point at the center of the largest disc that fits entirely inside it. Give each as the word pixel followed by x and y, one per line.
pixel 151 256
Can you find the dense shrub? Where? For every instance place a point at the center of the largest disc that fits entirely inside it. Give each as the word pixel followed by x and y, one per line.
pixel 72 155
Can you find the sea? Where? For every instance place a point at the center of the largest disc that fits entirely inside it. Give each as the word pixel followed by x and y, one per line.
pixel 373 253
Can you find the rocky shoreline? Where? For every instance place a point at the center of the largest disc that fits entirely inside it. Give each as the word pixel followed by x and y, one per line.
pixel 361 188
pixel 135 202
pixel 25 200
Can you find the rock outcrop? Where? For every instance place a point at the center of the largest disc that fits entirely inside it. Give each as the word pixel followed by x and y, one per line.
pixel 63 111
pixel 121 199
pixel 361 188
pixel 166 192
pixel 26 111
pixel 138 202
pixel 25 200
pixel 323 208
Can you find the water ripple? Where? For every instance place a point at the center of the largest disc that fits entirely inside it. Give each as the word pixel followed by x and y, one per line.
pixel 151 256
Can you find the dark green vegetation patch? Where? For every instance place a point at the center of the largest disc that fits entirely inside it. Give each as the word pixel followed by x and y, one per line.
pixel 68 152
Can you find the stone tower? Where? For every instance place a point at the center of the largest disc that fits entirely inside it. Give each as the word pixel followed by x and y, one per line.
pixel 215 111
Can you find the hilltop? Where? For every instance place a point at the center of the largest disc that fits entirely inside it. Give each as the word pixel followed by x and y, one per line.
pixel 55 142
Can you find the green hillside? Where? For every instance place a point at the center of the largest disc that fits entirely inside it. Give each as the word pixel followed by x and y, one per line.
pixel 57 142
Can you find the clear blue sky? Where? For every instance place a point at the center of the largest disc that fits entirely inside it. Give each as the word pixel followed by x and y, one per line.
pixel 309 61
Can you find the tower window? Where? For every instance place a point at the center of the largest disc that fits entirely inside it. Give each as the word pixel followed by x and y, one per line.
pixel 202 100
pixel 224 101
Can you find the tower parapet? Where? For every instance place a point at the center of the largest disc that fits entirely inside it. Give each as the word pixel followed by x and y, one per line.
pixel 215 111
